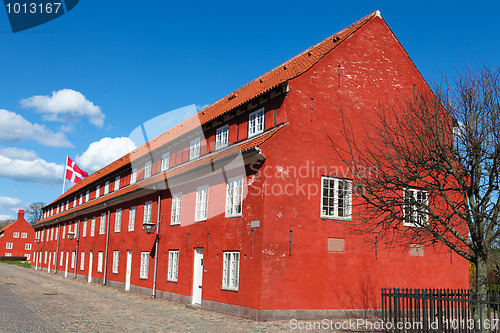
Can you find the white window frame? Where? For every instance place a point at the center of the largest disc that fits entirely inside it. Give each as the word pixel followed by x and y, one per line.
pixel 81 199
pixel 102 224
pixel 92 227
pixel 343 196
pixel 84 229
pixel 234 197
pixel 97 191
pixel 147 170
pixel 73 258
pixel 106 187
pixel 222 137
pixel 9 245
pixel 173 265
pixel 117 183
pixel 148 211
pixel 116 258
pixel 63 232
pixel 25 235
pixel 118 219
pixel 418 217
pixel 165 162
pixel 144 265
pixel 27 246
pixel 61 258
pixel 100 256
pixel 256 122
pixel 201 208
pixel 231 270
pixel 131 218
pixel 82 261
pixel 8 254
pixel 194 149
pixel 75 201
pixel 175 218
pixel 87 195
pixel 15 234
pixel 133 176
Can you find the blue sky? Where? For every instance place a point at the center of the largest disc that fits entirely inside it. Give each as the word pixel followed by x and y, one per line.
pixel 80 84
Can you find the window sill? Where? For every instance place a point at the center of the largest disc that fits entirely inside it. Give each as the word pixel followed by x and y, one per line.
pixel 177 223
pixel 233 216
pixel 197 221
pixel 173 281
pixel 141 278
pixel 227 289
pixel 347 219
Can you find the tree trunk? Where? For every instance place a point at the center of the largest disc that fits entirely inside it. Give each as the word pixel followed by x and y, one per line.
pixel 481 309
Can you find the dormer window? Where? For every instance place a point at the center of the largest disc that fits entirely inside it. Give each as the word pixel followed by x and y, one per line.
pixel 147 170
pixel 256 122
pixel 221 137
pixel 194 149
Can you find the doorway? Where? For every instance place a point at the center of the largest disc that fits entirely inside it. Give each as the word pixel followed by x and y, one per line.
pixel 197 275
pixel 128 271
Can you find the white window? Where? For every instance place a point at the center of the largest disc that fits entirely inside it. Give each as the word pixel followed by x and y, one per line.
pixel 84 230
pixel 8 254
pixel 48 234
pixel 221 137
pixel 92 227
pixel 147 170
pixel 148 210
pixel 173 265
pixel 165 162
pixel 102 224
pixel 117 183
pixel 256 122
pixel 116 255
pixel 54 259
pixel 87 196
pixel 75 201
pixel 118 220
pixel 16 235
pixel 8 246
pixel 82 261
pixel 73 257
pixel 234 197
pixel 80 201
pixel 28 256
pixel 176 209
pixel 201 203
pixel 27 246
pixel 106 187
pixel 67 205
pixel 415 208
pixel 336 196
pixel 24 235
pixel 100 256
pixel 57 233
pixel 231 270
pixel 133 176
pixel 194 149
pixel 144 265
pixel 51 234
pixel 61 258
pixel 97 191
pixel 131 219
pixel 45 258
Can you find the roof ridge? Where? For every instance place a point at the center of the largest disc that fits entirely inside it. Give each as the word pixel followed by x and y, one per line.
pixel 262 83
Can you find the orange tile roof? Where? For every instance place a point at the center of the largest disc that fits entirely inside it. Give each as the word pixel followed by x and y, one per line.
pixel 264 83
pixel 205 160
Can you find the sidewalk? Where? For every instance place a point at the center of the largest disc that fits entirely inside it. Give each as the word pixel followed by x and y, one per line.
pixel 49 302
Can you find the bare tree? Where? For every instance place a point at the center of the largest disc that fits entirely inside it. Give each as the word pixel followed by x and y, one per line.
pixel 34 212
pixel 5 223
pixel 436 156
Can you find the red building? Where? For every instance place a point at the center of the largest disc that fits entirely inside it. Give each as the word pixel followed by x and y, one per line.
pixel 248 213
pixel 17 239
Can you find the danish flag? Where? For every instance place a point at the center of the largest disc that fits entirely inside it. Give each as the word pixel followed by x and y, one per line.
pixel 73 172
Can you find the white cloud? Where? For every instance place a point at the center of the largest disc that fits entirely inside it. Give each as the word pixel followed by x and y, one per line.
pixel 65 105
pixel 25 166
pixel 10 204
pixel 15 128
pixel 103 152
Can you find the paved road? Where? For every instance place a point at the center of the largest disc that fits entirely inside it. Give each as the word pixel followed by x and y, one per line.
pixel 39 302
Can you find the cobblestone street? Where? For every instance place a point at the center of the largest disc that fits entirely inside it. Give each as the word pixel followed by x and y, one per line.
pixel 32 301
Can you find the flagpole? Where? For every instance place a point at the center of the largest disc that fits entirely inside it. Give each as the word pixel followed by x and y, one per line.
pixel 64 176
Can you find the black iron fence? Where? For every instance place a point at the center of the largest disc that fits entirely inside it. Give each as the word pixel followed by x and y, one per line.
pixel 438 310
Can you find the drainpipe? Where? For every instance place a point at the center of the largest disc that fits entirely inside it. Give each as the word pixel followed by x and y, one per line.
pixel 107 245
pixel 58 238
pixel 77 243
pixel 157 239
